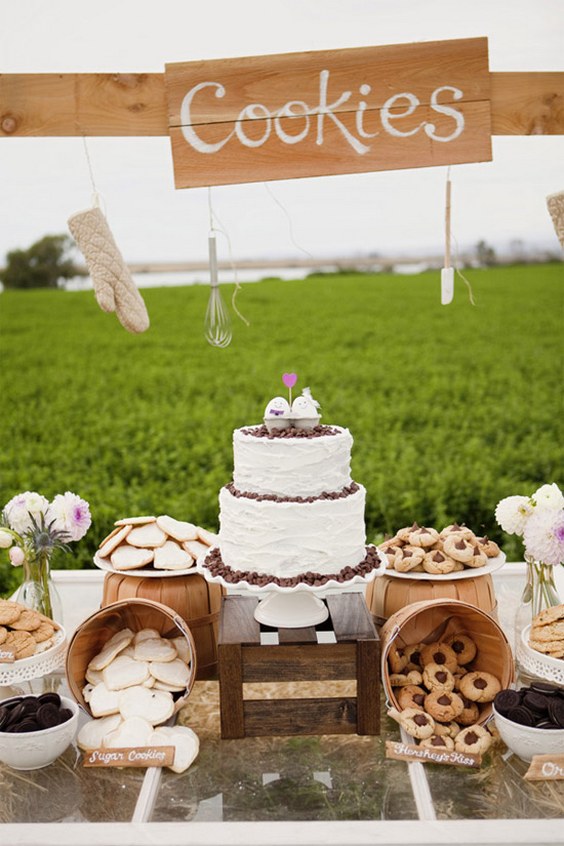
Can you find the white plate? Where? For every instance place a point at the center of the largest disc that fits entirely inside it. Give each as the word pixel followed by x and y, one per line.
pixel 329 586
pixel 38 665
pixel 468 572
pixel 105 564
pixel 537 663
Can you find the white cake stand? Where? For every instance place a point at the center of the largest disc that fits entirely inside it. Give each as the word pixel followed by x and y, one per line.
pixel 293 607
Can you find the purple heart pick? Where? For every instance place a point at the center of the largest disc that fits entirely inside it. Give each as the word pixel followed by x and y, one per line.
pixel 290 379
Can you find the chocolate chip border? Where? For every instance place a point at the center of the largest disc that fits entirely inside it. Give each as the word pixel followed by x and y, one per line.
pixel 349 490
pixel 262 432
pixel 214 563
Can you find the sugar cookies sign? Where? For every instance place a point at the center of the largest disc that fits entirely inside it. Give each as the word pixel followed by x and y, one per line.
pixel 343 111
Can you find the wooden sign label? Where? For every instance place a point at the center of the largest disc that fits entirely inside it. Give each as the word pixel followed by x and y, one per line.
pixel 7 656
pixel 138 756
pixel 342 111
pixel 410 752
pixel 546 768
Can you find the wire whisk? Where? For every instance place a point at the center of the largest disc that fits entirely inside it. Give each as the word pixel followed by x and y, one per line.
pixel 217 322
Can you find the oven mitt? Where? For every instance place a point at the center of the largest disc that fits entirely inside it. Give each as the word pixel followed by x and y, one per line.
pixel 555 203
pixel 114 288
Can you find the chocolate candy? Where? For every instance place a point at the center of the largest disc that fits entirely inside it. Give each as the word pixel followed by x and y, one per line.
pixel 539 706
pixel 33 713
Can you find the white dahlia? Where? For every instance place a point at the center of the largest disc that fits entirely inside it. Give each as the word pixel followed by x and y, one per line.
pixel 71 515
pixel 544 536
pixel 548 496
pixel 20 507
pixel 512 513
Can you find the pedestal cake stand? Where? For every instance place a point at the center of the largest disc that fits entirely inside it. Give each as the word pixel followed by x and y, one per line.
pixel 297 606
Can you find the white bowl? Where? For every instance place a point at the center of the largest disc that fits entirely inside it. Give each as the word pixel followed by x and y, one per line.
pixel 32 750
pixel 526 741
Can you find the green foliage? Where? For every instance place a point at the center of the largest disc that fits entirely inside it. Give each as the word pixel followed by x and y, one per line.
pixel 41 265
pixel 451 408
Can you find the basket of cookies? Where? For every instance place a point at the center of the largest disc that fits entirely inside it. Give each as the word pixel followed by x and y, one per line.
pixel 31 644
pixel 133 658
pixel 443 662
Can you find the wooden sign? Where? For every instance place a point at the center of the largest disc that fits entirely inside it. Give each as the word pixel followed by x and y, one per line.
pixel 410 752
pixel 7 656
pixel 336 111
pixel 138 756
pixel 546 768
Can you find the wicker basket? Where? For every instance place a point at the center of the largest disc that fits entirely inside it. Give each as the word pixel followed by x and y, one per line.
pixel 197 601
pixel 387 595
pixel 135 614
pixel 427 622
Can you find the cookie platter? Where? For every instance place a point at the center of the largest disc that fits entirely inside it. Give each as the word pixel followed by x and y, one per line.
pixel 537 663
pixel 470 573
pixel 143 572
pixel 38 665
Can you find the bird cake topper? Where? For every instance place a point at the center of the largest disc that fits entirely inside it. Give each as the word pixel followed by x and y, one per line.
pixel 302 413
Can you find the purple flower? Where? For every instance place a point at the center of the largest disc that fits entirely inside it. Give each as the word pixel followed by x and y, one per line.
pixel 71 515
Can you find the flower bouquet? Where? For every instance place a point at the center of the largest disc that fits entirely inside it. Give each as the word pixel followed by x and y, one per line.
pixel 32 528
pixel 539 520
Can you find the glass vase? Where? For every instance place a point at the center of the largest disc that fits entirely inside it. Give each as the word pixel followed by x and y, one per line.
pixel 539 593
pixel 37 590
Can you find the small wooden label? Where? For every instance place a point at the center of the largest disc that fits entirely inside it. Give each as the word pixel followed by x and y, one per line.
pixel 7 656
pixel 546 768
pixel 334 111
pixel 410 752
pixel 135 756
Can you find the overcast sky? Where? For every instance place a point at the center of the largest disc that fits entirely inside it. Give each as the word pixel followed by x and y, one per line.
pixel 44 180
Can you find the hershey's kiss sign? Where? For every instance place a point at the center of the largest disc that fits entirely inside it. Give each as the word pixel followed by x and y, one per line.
pixel 337 111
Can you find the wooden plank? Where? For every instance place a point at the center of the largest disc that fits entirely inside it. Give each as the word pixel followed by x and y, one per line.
pixel 237 623
pixel 546 768
pixel 327 112
pixel 368 687
pixel 307 635
pixel 265 717
pixel 350 617
pixel 299 662
pixel 59 105
pixel 527 103
pixel 231 690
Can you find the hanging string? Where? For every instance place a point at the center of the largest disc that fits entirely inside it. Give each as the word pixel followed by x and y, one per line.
pixel 459 272
pixel 96 198
pixel 288 219
pixel 221 228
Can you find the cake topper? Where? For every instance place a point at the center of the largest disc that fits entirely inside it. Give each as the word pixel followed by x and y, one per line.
pixel 303 413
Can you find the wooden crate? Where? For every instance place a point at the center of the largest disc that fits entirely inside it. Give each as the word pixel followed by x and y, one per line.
pixel 299 656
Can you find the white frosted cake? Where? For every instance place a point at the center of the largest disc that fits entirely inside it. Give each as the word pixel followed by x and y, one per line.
pixel 293 512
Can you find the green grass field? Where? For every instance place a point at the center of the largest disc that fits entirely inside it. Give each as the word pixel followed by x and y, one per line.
pixel 451 407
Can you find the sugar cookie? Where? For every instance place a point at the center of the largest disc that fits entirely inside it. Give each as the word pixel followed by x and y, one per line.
pixel 92 734
pixel 147 535
pixel 155 706
pixel 133 731
pixel 172 672
pixel 177 529
pixel 155 649
pixel 185 741
pixel 113 541
pixel 127 557
pixel 103 701
pixel 171 556
pixel 124 672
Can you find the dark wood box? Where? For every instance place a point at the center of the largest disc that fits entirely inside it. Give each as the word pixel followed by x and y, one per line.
pixel 299 656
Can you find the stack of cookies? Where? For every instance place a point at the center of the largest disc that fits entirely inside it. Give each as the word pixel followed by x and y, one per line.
pixel 439 697
pixel 154 543
pixel 24 632
pixel 131 687
pixel 547 632
pixel 422 549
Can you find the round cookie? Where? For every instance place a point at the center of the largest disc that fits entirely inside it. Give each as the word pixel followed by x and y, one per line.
pixel 412 696
pixel 437 563
pixel 407 558
pixel 442 742
pixel 488 547
pixel 423 537
pixel 470 714
pixel 464 648
pixel 443 706
pixel 461 549
pixel 456 531
pixel 22 643
pixel 479 558
pixel 43 632
pixel 413 655
pixel 438 677
pixel 473 739
pixel 403 679
pixel 403 534
pixel 439 653
pixel 390 549
pixel 9 612
pixel 480 686
pixel 416 723
pixel 449 729
pixel 3 634
pixel 397 659
pixel 28 621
